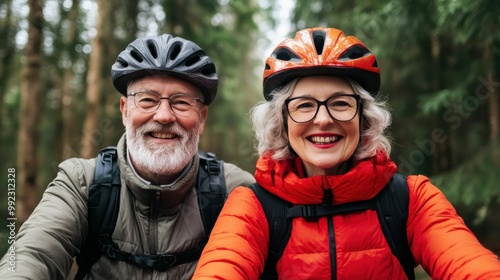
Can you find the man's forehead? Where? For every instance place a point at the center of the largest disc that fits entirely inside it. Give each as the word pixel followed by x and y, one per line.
pixel 163 84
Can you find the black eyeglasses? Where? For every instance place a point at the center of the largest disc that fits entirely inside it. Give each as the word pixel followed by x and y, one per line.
pixel 181 104
pixel 340 107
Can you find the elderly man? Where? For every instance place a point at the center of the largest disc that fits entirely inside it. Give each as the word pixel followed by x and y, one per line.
pixel 166 84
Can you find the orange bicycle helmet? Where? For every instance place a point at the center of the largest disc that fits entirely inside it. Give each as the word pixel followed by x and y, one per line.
pixel 321 51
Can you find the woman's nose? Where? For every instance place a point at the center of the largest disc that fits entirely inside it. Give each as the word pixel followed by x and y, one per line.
pixel 323 116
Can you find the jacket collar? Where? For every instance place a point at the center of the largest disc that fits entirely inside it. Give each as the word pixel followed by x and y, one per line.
pixel 365 180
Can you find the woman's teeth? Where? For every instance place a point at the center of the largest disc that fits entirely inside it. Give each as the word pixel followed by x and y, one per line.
pixel 324 140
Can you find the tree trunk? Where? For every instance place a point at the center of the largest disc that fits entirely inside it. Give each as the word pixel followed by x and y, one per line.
pixel 68 91
pixel 30 108
pixel 491 87
pixel 92 137
pixel 7 50
pixel 439 156
pixel 111 126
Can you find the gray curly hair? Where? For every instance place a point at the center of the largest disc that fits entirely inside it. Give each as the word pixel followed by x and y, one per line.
pixel 269 125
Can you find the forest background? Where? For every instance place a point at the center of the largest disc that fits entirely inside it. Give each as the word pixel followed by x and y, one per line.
pixel 438 59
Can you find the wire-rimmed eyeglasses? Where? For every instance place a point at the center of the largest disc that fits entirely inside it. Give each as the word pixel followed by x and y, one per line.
pixel 180 104
pixel 340 107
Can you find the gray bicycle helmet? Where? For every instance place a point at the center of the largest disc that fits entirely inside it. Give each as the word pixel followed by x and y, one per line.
pixel 165 54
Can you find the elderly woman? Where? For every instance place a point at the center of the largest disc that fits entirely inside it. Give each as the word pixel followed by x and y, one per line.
pixel 321 141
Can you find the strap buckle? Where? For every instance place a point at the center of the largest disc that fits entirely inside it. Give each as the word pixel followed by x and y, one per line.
pixel 158 262
pixel 213 166
pixel 308 211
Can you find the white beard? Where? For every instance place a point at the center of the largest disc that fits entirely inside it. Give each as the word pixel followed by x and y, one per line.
pixel 161 159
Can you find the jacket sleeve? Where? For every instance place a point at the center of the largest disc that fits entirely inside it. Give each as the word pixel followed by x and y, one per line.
pixel 47 242
pixel 238 244
pixel 439 239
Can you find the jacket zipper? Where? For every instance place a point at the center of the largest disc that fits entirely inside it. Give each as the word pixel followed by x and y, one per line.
pixel 153 217
pixel 327 200
pixel 153 231
pixel 333 255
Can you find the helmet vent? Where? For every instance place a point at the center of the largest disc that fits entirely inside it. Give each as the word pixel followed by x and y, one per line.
pixel 175 50
pixel 137 56
pixel 285 54
pixel 319 40
pixel 208 70
pixel 122 62
pixel 192 60
pixel 354 52
pixel 152 49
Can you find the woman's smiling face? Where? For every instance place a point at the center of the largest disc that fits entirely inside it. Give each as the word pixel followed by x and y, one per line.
pixel 323 143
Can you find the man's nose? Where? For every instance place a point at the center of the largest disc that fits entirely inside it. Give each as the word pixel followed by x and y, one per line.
pixel 164 113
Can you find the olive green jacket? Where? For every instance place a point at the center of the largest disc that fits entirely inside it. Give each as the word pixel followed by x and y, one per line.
pixel 151 220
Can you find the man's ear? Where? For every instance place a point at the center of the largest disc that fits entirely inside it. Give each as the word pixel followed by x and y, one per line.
pixel 203 119
pixel 124 109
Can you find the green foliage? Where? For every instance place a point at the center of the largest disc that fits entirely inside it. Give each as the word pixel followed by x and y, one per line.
pixel 474 182
pixel 470 19
pixel 433 102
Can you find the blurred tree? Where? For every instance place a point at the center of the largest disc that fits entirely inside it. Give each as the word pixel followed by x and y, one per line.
pixel 92 137
pixel 232 46
pixel 29 115
pixel 61 99
pixel 7 51
pixel 68 84
pixel 473 25
pixel 123 28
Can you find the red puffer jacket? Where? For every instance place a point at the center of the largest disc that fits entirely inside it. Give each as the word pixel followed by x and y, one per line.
pixel 348 246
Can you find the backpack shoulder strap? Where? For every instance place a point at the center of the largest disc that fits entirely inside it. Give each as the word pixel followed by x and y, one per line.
pixel 392 208
pixel 280 227
pixel 103 204
pixel 211 188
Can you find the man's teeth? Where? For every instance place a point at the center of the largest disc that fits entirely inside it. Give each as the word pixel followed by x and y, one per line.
pixel 162 135
pixel 318 139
